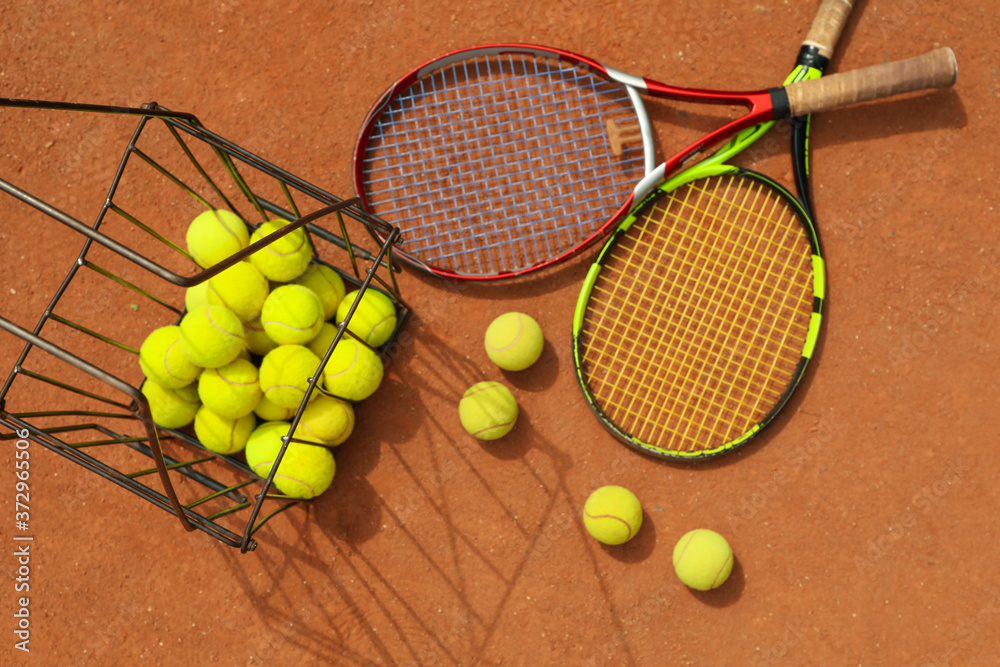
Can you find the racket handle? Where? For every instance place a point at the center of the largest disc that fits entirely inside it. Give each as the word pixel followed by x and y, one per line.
pixel 937 69
pixel 827 26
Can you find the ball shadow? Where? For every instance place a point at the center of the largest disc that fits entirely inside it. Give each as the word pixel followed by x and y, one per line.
pixel 539 376
pixel 639 548
pixel 728 593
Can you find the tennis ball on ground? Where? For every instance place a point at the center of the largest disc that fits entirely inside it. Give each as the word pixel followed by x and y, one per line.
pixel 163 361
pixel 257 340
pixel 284 259
pixel 215 235
pixel 703 559
pixel 327 284
pixel 292 315
pixel 231 391
pixel 285 373
pixel 196 296
pixel 373 321
pixel 612 515
pixel 211 336
pixel 354 371
pixel 241 288
pixel 305 471
pixel 514 341
pixel 171 408
pixel 326 421
pixel 223 435
pixel 488 410
pixel 271 412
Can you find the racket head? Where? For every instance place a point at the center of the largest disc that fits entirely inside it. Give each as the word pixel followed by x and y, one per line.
pixel 699 317
pixel 480 156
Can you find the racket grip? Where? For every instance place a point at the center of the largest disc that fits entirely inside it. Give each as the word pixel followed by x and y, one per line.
pixel 937 69
pixel 827 26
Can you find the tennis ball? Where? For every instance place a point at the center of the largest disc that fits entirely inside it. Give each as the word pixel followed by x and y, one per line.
pixel 257 340
pixel 305 471
pixel 285 373
pixel 354 371
pixel 327 284
pixel 215 235
pixel 514 341
pixel 326 421
pixel 612 515
pixel 163 361
pixel 321 343
pixel 703 559
pixel 196 296
pixel 373 321
pixel 241 288
pixel 223 435
pixel 488 410
pixel 231 391
pixel 284 259
pixel 271 412
pixel 211 336
pixel 292 315
pixel 171 408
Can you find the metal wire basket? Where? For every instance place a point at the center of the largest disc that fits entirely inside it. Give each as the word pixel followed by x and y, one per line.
pixel 97 416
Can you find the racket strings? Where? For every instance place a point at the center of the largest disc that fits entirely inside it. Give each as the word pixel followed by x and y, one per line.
pixel 482 163
pixel 697 322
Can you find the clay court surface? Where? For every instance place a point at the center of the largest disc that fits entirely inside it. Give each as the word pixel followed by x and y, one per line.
pixel 862 520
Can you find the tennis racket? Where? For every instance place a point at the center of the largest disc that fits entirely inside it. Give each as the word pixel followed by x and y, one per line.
pixel 496 161
pixel 698 317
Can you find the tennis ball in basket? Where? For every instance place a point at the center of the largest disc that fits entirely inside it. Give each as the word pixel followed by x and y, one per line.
pixel 215 235
pixel 326 421
pixel 321 342
pixel 241 288
pixel 373 321
pixel 284 259
pixel 305 471
pixel 223 435
pixel 285 373
pixel 232 390
pixel 292 315
pixel 514 341
pixel 327 284
pixel 257 340
pixel 163 361
pixel 269 411
pixel 612 515
pixel 211 336
pixel 171 408
pixel 488 410
pixel 196 296
pixel 354 371
pixel 703 559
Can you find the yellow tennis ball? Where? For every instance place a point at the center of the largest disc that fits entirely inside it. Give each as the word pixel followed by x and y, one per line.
pixel 241 288
pixel 171 408
pixel 223 435
pixel 284 259
pixel 211 336
pixel 514 341
pixel 373 320
pixel 326 421
pixel 163 361
pixel 285 373
pixel 321 343
pixel 292 315
pixel 488 410
pixel 305 471
pixel 215 235
pixel 612 515
pixel 269 411
pixel 703 559
pixel 257 340
pixel 327 284
pixel 196 296
pixel 231 391
pixel 354 371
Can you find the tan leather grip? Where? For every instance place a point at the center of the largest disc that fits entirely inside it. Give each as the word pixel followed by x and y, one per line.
pixel 937 69
pixel 828 25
